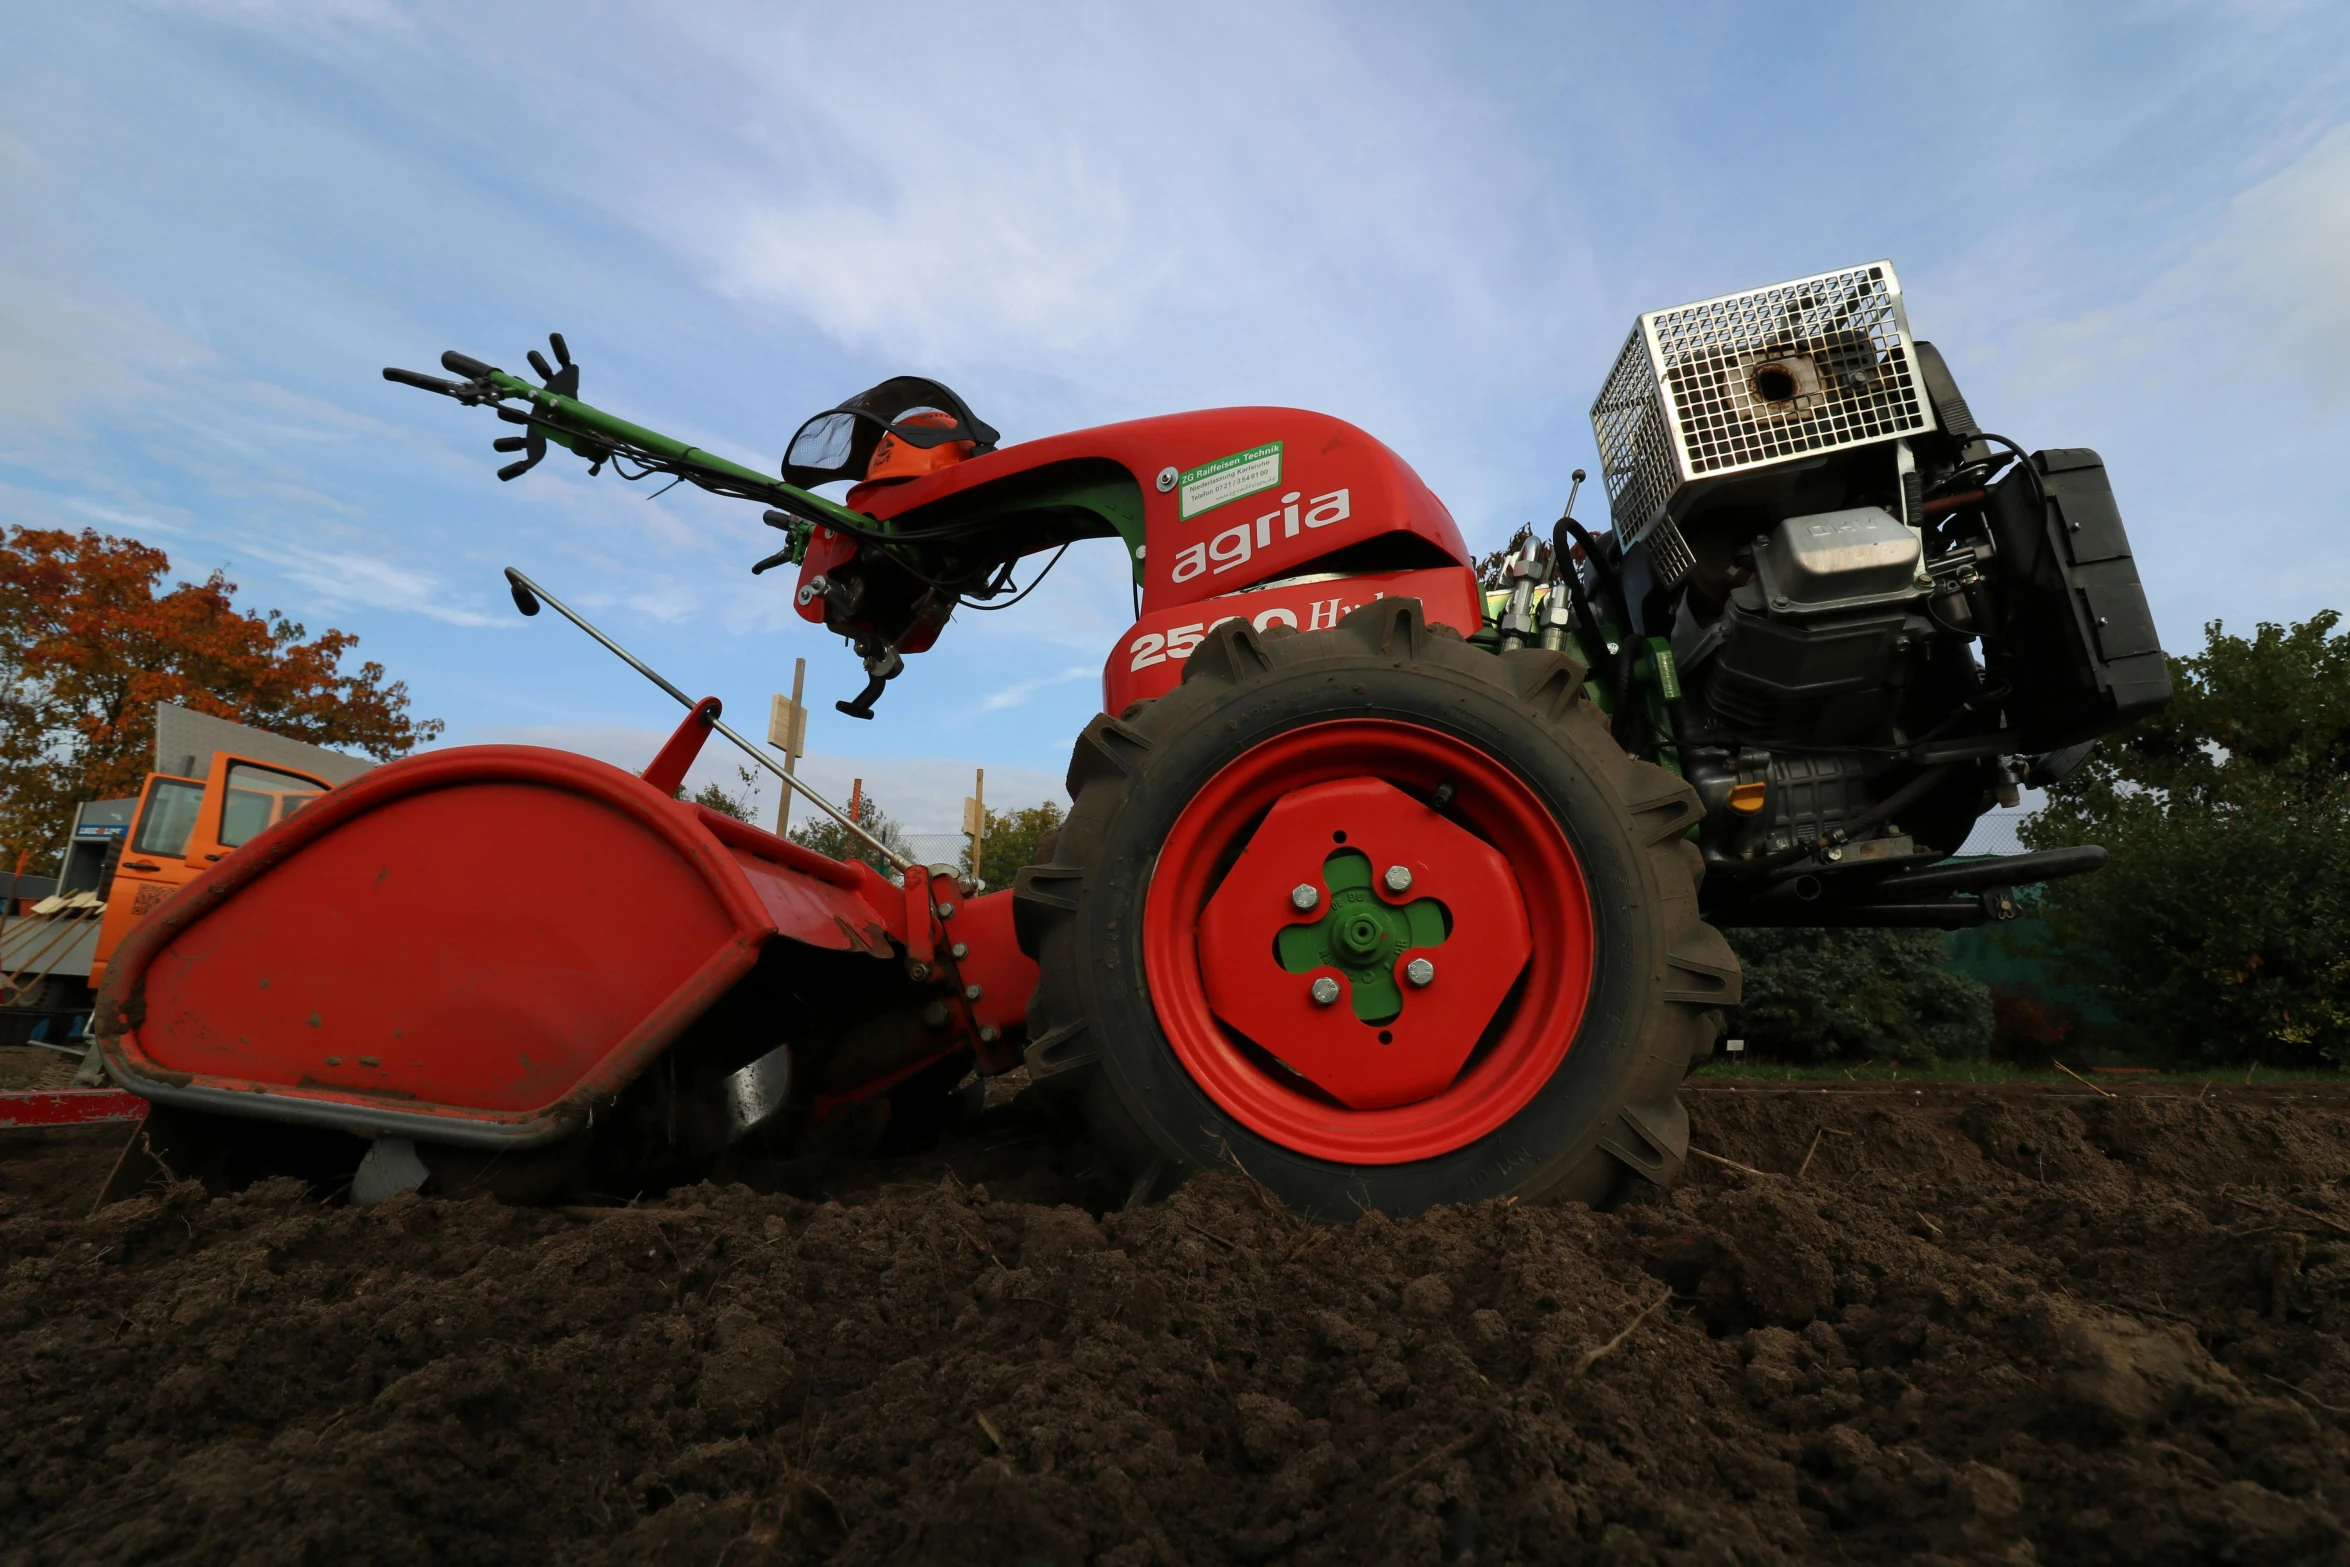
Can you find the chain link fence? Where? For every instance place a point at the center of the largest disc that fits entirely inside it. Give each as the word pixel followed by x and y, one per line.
pixel 939 848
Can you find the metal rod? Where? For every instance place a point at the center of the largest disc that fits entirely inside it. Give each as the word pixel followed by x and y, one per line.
pixel 536 594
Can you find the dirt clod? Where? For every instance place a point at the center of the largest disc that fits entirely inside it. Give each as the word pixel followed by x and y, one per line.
pixel 1981 1327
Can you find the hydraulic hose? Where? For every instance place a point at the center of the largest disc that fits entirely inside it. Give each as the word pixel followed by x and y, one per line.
pixel 1624 724
pixel 1563 567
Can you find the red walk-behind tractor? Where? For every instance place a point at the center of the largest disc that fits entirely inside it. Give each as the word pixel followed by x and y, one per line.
pixel 1385 884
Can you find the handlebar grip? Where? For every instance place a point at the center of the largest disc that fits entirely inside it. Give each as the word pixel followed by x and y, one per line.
pixel 416 378
pixel 466 365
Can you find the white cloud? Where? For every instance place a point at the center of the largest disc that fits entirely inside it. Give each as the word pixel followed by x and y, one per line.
pixel 1040 253
pixel 1021 691
pixel 347 577
pixel 71 347
pixel 2287 257
pixel 2256 293
pixel 276 16
pixel 115 517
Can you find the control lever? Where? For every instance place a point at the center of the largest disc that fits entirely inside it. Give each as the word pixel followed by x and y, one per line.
pixel 793 529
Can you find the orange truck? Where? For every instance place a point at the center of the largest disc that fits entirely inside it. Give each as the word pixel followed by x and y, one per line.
pixel 216 784
pixel 184 825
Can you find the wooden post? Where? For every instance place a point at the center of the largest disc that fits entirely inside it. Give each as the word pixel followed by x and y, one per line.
pixel 975 821
pixel 787 728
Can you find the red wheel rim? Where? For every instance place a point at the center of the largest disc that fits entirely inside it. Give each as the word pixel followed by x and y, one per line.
pixel 1523 1041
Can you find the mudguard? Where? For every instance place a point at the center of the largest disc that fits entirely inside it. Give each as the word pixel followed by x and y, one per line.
pixel 476 947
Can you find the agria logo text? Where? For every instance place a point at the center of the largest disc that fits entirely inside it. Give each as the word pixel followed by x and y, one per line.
pixel 1237 544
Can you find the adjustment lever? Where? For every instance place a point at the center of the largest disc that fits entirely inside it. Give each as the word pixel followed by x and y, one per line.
pixel 781 557
pixel 862 707
pixel 880 670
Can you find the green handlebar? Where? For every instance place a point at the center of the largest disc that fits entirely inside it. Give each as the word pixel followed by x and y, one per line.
pixel 572 423
pixel 553 414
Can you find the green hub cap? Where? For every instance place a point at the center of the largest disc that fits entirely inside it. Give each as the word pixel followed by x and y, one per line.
pixel 1361 936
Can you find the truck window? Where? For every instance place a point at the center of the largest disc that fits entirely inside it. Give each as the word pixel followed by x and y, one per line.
pixel 258 797
pixel 172 807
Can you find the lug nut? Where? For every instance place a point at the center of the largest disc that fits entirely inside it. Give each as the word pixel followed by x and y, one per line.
pixel 1325 991
pixel 1399 879
pixel 1305 895
pixel 1420 971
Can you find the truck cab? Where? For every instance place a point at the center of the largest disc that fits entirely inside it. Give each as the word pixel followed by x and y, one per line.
pixel 184 825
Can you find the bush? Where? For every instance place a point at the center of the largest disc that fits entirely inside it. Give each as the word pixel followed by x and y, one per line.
pixel 2221 929
pixel 740 804
pixel 1857 995
pixel 829 837
pixel 1011 842
pixel 2027 1029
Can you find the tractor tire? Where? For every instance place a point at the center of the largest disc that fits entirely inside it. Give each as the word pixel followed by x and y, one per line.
pixel 1543 1058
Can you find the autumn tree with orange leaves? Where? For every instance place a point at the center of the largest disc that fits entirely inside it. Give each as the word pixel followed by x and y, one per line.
pixel 90 641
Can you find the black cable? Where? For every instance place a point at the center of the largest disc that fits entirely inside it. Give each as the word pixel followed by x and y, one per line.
pixel 1564 566
pixel 1622 725
pixel 1995 692
pixel 1935 616
pixel 1599 564
pixel 894 546
pixel 1024 592
pixel 2023 457
pixel 1958 478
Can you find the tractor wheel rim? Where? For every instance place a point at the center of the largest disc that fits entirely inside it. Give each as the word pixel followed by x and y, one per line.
pixel 1210 958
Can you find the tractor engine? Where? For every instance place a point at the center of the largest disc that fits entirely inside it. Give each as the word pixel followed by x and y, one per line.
pixel 1861 618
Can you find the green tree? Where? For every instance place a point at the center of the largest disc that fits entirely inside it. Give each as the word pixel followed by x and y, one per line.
pixel 1857 995
pixel 2221 930
pixel 1011 842
pixel 829 837
pixel 741 803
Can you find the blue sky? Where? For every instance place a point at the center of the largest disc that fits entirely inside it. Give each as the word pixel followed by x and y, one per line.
pixel 2128 226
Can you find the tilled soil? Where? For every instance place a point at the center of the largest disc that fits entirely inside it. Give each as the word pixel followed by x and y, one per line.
pixel 1944 1326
